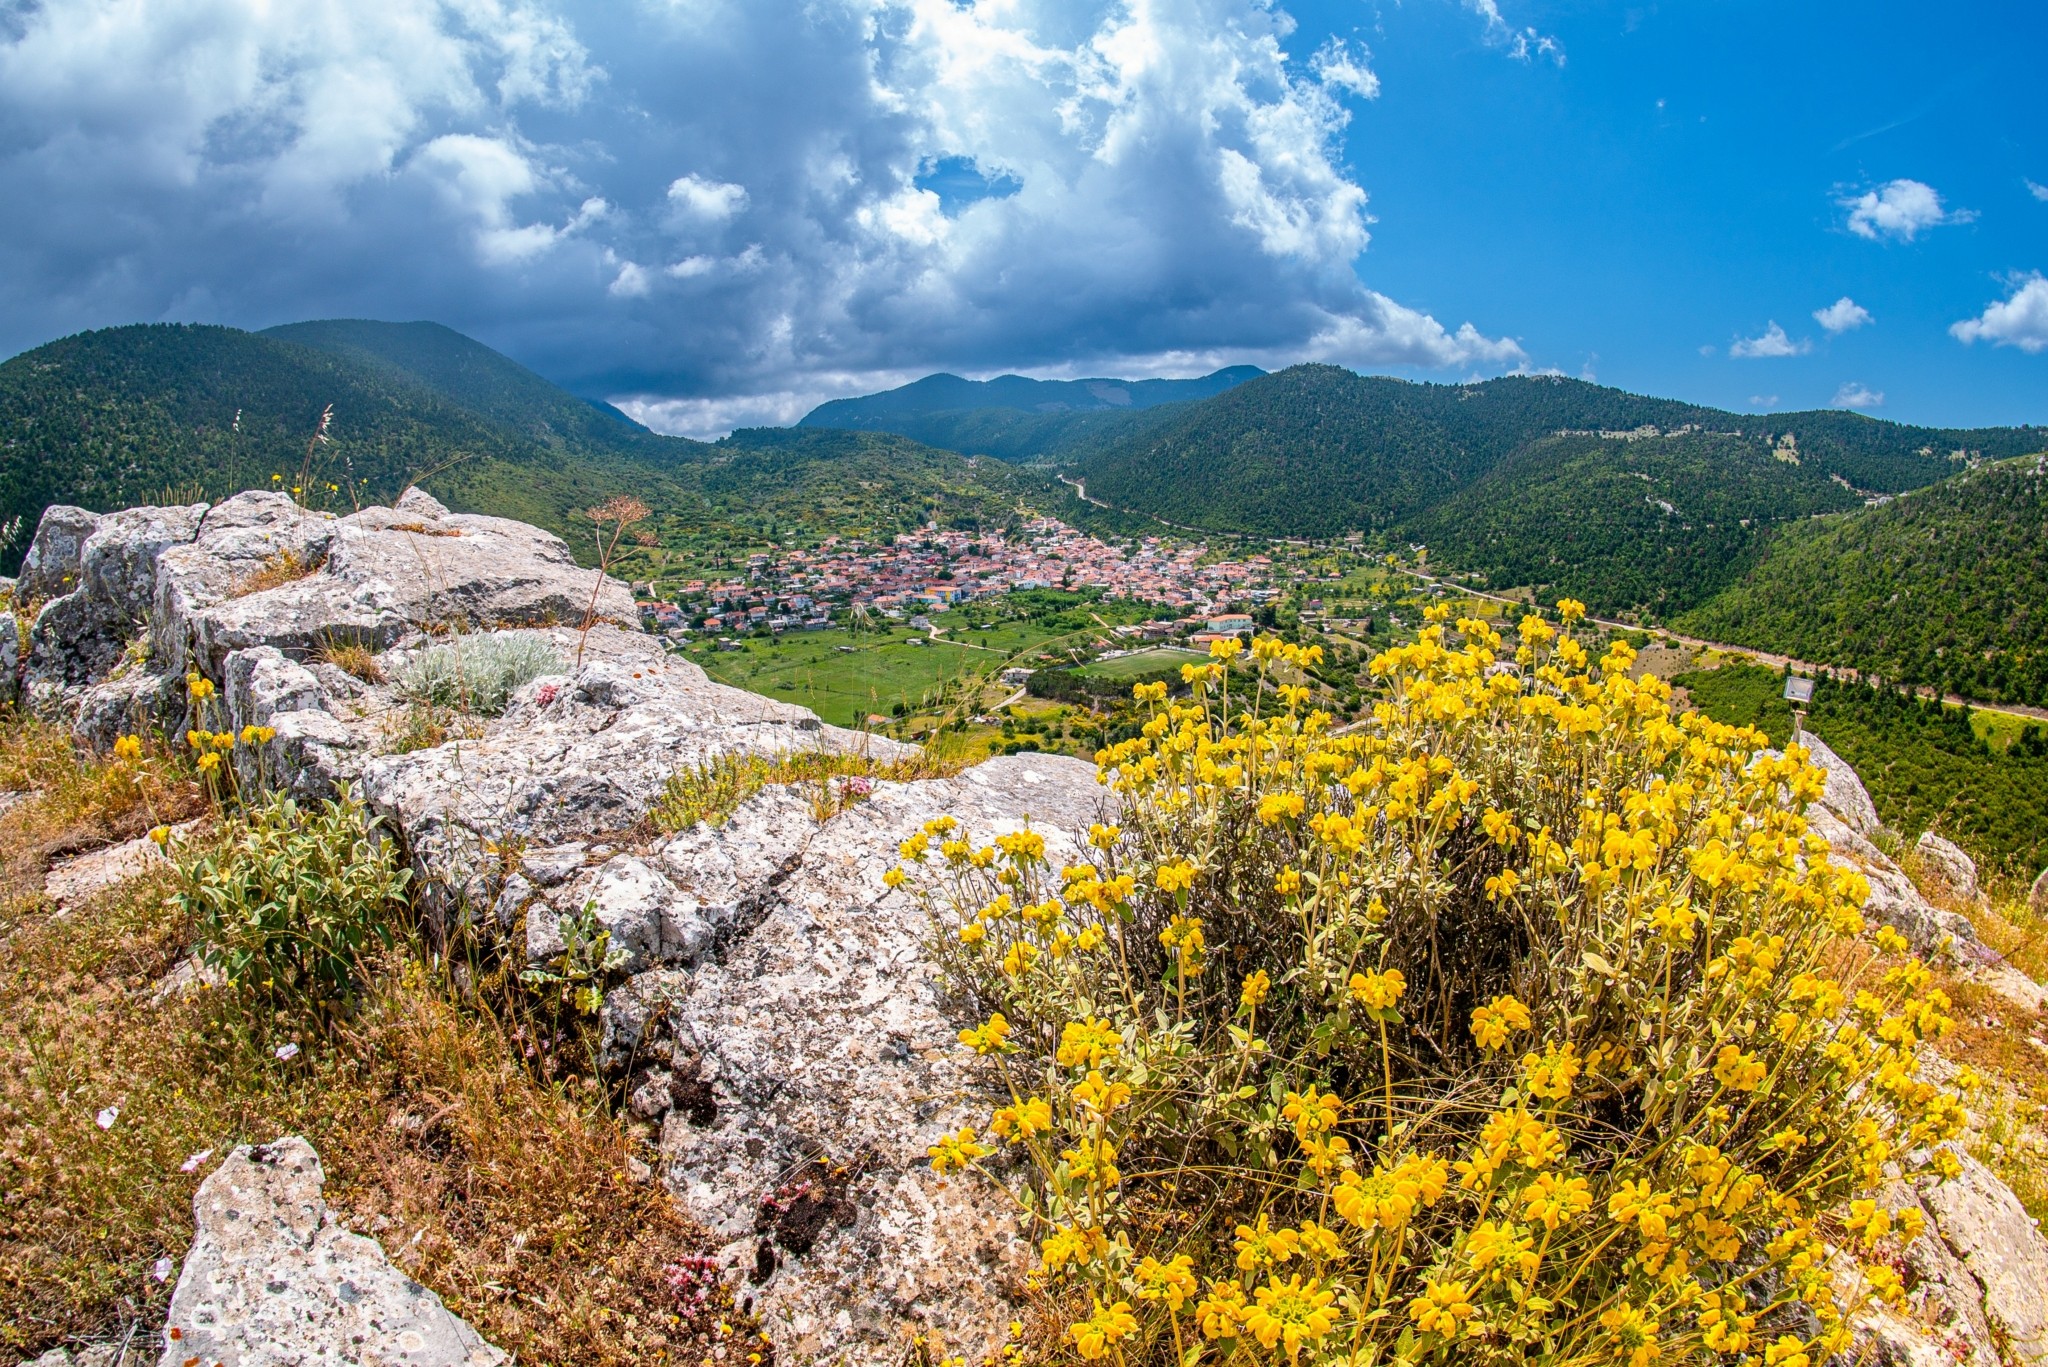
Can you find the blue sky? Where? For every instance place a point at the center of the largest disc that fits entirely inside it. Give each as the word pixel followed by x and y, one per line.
pixel 1676 184
pixel 718 212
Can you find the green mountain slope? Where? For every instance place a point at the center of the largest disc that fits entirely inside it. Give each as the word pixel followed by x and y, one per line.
pixel 1021 437
pixel 1018 419
pixel 1655 524
pixel 1631 503
pixel 1317 450
pixel 492 386
pixel 147 413
pixel 1947 585
pixel 951 394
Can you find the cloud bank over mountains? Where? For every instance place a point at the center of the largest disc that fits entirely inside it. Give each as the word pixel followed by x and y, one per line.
pixel 718 210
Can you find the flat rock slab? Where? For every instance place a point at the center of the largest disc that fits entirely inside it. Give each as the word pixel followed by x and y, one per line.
pixel 272 1281
pixel 71 881
pixel 822 1060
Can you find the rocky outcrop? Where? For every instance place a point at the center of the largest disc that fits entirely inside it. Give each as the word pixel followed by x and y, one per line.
pixel 1847 818
pixel 1977 1280
pixel 774 1015
pixel 808 1069
pixel 1948 863
pixel 580 761
pixel 138 598
pixel 272 1279
pixel 50 567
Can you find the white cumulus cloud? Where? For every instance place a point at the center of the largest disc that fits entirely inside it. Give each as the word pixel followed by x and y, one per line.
pixel 1771 343
pixel 713 201
pixel 714 204
pixel 2020 320
pixel 1844 315
pixel 1854 395
pixel 2038 191
pixel 1900 209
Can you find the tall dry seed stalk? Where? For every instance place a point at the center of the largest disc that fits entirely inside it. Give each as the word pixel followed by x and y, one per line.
pixel 613 518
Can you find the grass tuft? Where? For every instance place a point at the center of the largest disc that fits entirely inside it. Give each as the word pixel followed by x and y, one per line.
pixel 353 658
pixel 278 569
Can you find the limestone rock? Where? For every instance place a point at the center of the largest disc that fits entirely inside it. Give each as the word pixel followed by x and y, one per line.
pixel 80 636
pixel 72 880
pixel 272 1280
pixel 50 568
pixel 1846 818
pixel 2037 900
pixel 1949 862
pixel 1984 1226
pixel 576 757
pixel 138 598
pixel 1846 796
pixel 829 1058
pixel 1894 901
pixel 10 659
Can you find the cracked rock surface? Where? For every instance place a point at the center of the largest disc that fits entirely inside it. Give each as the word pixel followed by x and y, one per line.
pixel 272 1281
pixel 813 1064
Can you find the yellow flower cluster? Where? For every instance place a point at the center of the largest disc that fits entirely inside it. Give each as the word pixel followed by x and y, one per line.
pixel 1597 992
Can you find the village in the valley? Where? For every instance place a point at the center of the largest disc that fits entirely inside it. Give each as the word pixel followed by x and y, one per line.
pixel 940 568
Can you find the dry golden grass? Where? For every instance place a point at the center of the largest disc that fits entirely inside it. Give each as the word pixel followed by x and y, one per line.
pixel 279 568
pixel 78 801
pixel 507 1195
pixel 505 1192
pixel 834 782
pixel 352 657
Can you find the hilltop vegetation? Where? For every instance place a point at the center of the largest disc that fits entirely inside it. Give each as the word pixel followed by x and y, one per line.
pixel 494 387
pixel 1946 586
pixel 1018 419
pixel 171 412
pixel 1656 524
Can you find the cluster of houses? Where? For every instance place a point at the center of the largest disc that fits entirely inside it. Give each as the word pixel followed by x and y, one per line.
pixel 938 568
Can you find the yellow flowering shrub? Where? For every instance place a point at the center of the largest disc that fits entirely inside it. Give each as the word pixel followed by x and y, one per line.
pixel 1526 1020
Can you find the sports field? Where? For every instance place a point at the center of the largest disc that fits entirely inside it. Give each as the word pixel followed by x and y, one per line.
pixel 845 676
pixel 1143 662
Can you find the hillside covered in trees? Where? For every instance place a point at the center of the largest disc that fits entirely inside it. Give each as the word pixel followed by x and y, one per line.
pixel 165 412
pixel 1944 586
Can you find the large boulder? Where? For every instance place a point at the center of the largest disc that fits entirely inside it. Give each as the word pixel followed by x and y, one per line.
pixel 1981 1224
pixel 80 636
pixel 273 1281
pixel 136 599
pixel 1948 862
pixel 50 568
pixel 1845 795
pixel 577 758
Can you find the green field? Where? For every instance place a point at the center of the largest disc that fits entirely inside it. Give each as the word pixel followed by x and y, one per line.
pixel 846 676
pixel 1144 662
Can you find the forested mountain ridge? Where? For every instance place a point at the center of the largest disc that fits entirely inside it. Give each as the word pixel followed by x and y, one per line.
pixel 158 412
pixel 1316 450
pixel 952 394
pixel 1018 419
pixel 139 414
pixel 1653 524
pixel 491 385
pixel 1946 585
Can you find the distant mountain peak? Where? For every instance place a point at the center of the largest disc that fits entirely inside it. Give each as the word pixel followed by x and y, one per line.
pixel 946 393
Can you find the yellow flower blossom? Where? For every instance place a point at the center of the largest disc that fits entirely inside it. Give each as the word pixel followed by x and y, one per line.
pixel 1103 1330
